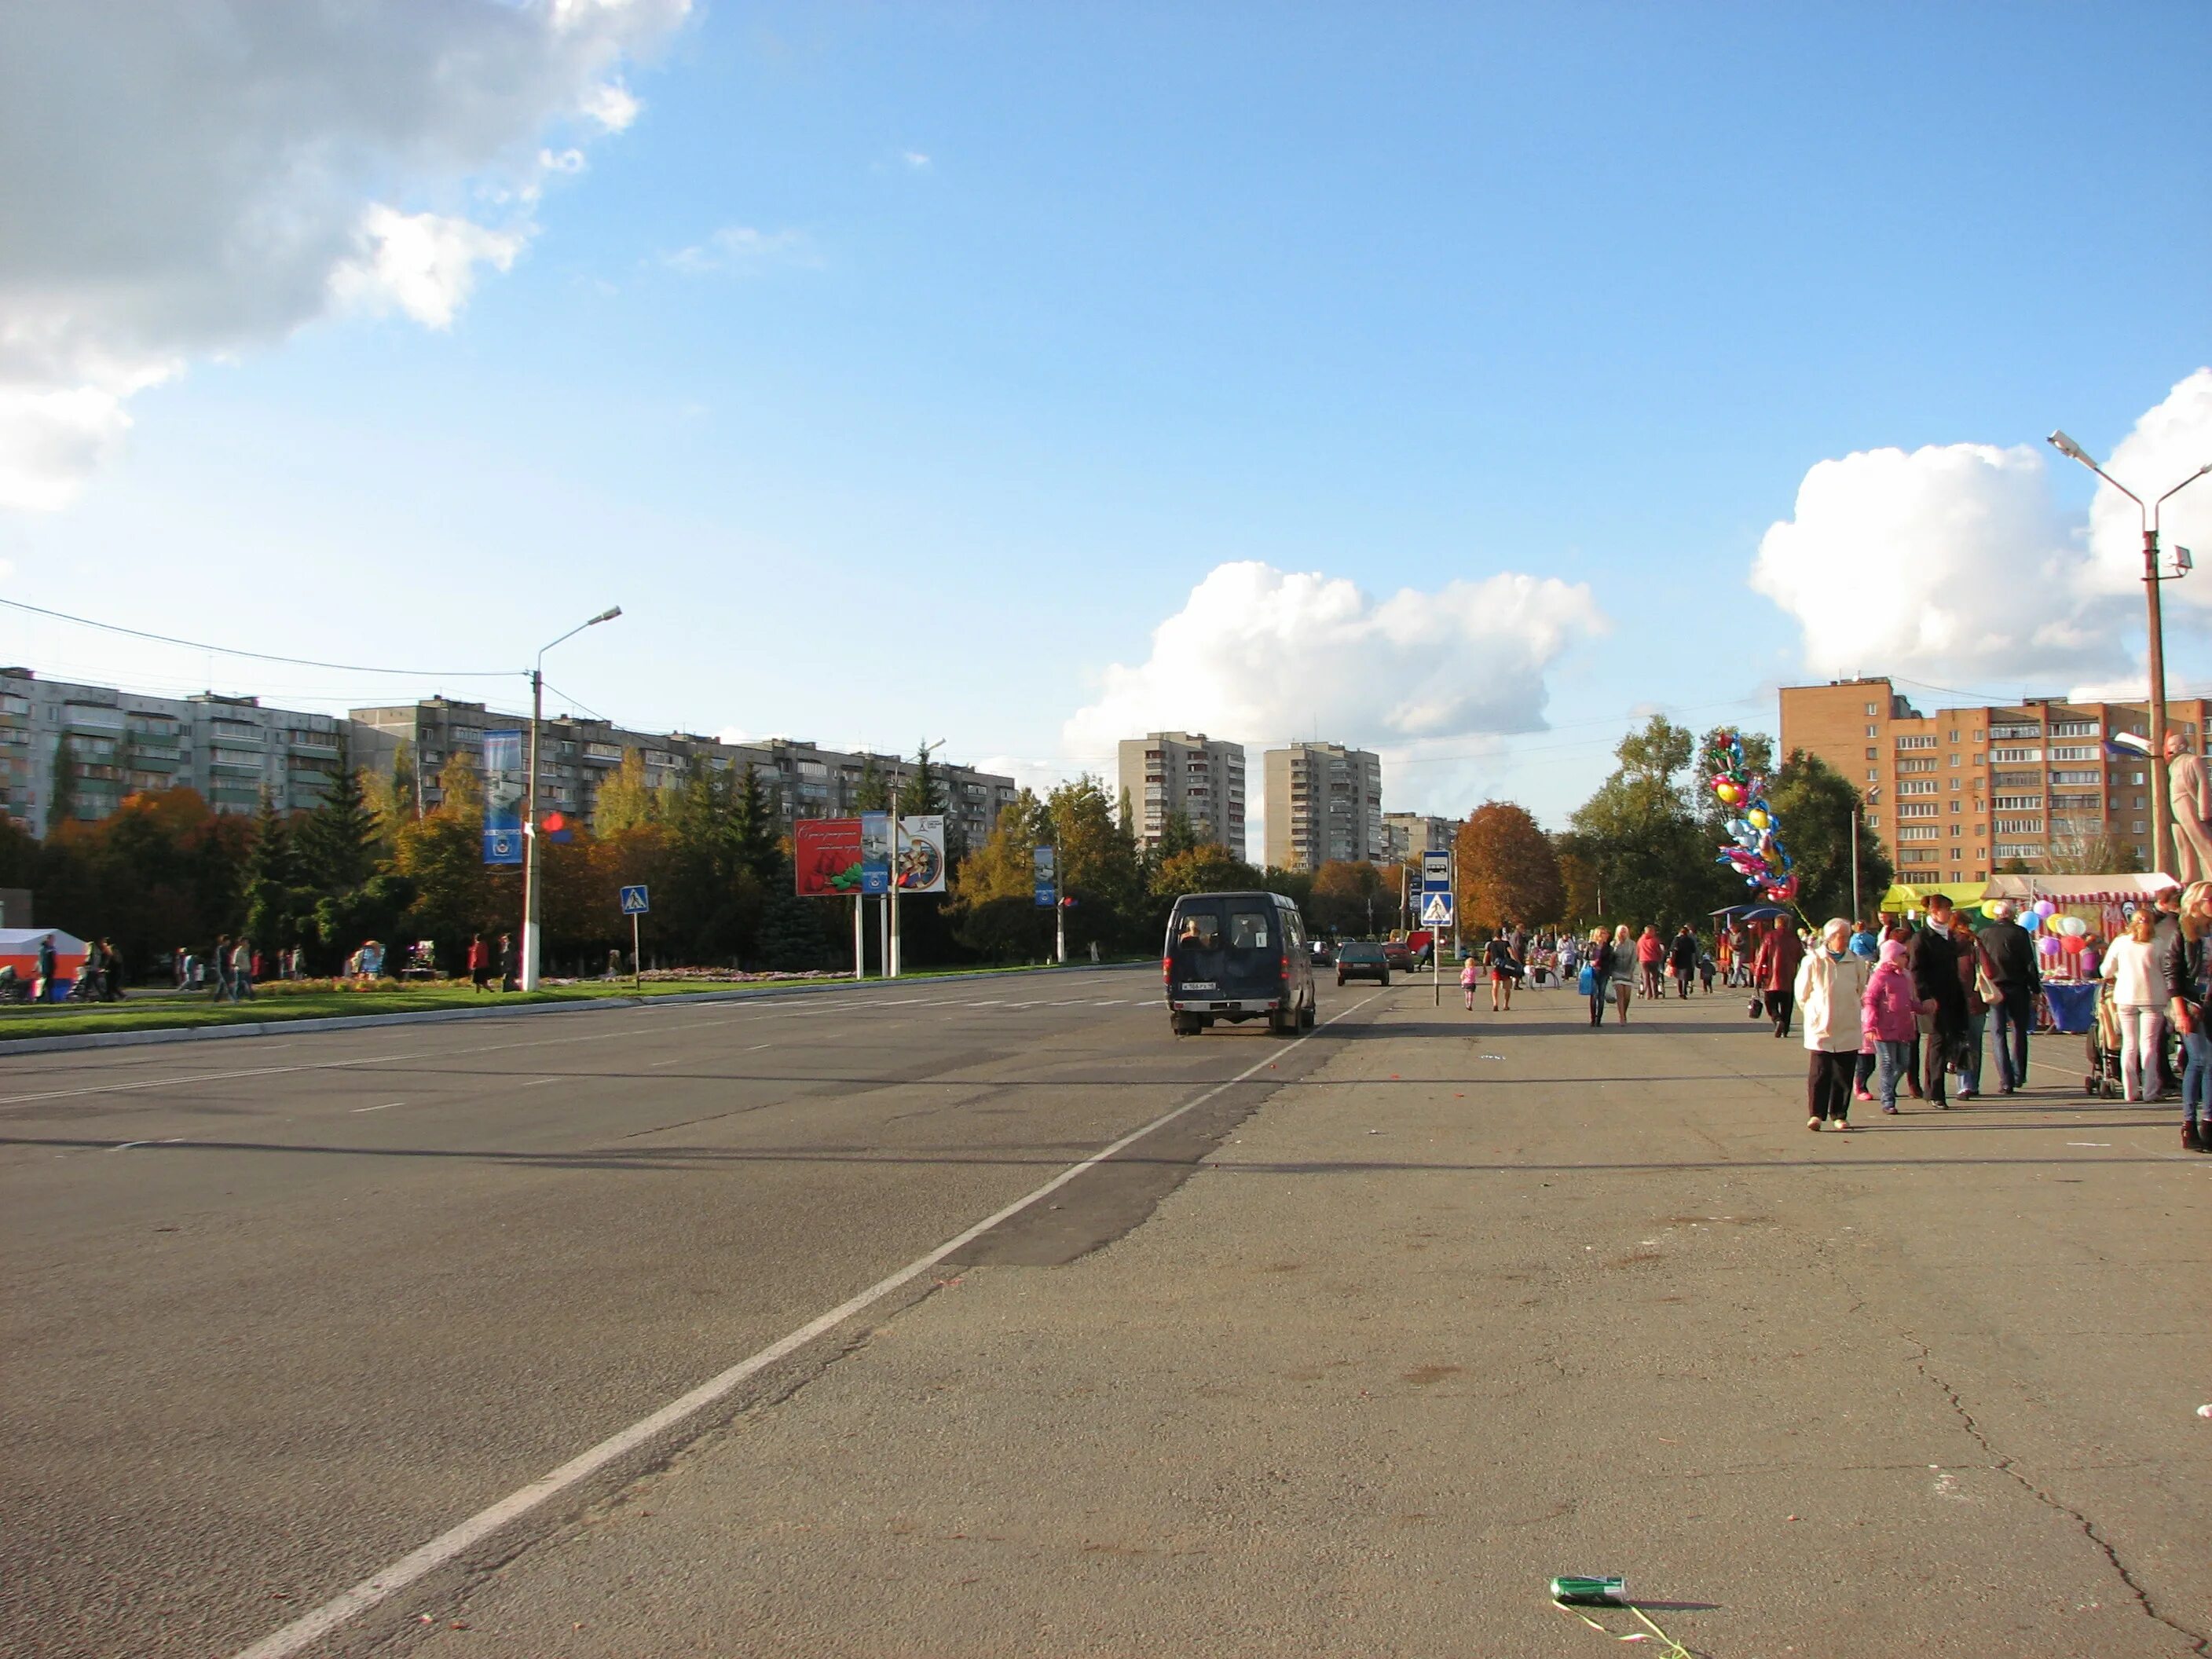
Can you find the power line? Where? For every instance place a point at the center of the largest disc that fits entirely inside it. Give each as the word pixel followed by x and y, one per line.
pixel 265 656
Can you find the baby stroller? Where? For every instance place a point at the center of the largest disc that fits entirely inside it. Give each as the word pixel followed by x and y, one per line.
pixel 2104 1079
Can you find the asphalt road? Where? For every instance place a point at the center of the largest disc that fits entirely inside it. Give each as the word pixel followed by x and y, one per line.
pixel 280 1309
pixel 1348 1358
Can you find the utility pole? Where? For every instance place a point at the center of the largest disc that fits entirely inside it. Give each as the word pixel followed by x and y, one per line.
pixel 531 884
pixel 2161 803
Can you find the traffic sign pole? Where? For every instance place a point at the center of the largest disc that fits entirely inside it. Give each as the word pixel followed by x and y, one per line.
pixel 636 965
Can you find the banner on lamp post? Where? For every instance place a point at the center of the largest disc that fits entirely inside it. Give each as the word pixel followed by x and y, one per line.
pixel 505 785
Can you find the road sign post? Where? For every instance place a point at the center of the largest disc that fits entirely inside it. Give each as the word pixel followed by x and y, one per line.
pixel 1436 914
pixel 635 902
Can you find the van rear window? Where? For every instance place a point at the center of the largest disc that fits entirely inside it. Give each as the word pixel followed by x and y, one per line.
pixel 1199 924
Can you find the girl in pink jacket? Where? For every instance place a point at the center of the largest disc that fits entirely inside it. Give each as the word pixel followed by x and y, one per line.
pixel 1889 1012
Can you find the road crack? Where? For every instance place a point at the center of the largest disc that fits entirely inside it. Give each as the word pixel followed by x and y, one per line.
pixel 2007 1465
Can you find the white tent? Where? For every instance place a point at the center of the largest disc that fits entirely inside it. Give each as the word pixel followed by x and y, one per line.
pixel 24 942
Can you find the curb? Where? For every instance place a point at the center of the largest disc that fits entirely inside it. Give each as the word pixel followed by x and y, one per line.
pixel 49 1045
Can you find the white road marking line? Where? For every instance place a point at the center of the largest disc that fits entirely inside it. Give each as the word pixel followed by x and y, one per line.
pixel 1110 1002
pixel 758 1046
pixel 313 1627
pixel 124 1146
pixel 386 1107
pixel 672 1061
pixel 995 1002
pixel 537 1081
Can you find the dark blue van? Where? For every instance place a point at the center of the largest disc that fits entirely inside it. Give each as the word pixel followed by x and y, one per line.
pixel 1237 956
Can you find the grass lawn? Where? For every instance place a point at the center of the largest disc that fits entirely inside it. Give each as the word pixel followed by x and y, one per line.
pixel 176 1013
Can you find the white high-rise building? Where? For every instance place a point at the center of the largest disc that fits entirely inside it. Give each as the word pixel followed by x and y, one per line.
pixel 1165 772
pixel 1324 803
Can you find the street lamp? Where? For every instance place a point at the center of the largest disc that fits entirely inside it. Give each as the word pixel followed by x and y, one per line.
pixel 532 933
pixel 2161 809
pixel 1860 804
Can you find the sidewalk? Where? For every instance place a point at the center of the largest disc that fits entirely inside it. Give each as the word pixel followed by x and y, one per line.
pixel 1484 1299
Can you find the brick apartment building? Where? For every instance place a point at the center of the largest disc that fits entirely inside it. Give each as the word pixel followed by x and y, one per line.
pixel 1966 790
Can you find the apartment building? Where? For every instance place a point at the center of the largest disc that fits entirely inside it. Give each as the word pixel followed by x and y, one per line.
pixel 1324 803
pixel 1201 777
pixel 576 754
pixel 1966 790
pixel 82 748
pixel 1408 835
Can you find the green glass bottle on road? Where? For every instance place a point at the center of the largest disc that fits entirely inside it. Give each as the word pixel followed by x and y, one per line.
pixel 1589 1592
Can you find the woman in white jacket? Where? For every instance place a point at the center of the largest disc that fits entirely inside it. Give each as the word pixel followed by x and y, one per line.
pixel 2140 994
pixel 1831 985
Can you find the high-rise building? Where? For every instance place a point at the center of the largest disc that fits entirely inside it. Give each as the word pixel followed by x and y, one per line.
pixel 1409 834
pixel 82 748
pixel 575 755
pixel 1324 803
pixel 1965 790
pixel 1200 777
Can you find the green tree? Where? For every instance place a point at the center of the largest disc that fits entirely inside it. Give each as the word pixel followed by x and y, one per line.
pixel 1813 804
pixel 1351 896
pixel 1207 868
pixel 993 910
pixel 1643 842
pixel 923 792
pixel 338 842
pixel 794 931
pixel 872 793
pixel 460 790
pixel 277 899
pixel 61 799
pixel 1097 864
pixel 625 801
pixel 756 826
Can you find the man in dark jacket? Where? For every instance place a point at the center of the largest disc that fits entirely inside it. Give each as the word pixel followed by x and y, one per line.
pixel 2008 956
pixel 1938 973
pixel 2165 939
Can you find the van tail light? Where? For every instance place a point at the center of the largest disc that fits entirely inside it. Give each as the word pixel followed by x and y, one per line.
pixel 1283 969
pixel 1166 970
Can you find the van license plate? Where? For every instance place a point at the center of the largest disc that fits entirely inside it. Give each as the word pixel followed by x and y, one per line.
pixel 1199 985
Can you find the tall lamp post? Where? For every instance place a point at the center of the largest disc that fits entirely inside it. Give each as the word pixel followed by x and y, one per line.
pixel 1860 806
pixel 2162 808
pixel 532 933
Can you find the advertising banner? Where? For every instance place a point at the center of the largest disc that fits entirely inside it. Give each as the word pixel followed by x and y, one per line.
pixel 1045 877
pixel 506 778
pixel 825 854
pixel 921 853
pixel 875 852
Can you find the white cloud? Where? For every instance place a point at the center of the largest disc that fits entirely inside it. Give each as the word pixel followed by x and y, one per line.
pixel 193 180
pixel 1955 562
pixel 2168 444
pixel 424 263
pixel 914 160
pixel 736 249
pixel 1958 563
pixel 1261 655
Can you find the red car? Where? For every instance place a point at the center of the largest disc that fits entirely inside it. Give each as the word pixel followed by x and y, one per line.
pixel 1399 955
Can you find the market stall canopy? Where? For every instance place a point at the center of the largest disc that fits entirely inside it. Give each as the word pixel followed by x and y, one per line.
pixel 1751 912
pixel 2116 889
pixel 19 948
pixel 1914 896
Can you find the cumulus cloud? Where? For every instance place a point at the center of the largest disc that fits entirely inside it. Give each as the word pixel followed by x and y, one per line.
pixel 2168 444
pixel 1953 561
pixel 186 181
pixel 1957 561
pixel 736 249
pixel 1259 655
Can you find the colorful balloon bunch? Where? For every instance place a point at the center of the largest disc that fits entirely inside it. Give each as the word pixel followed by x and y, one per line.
pixel 1757 853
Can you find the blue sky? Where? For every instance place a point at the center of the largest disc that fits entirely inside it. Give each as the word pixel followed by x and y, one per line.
pixel 900 370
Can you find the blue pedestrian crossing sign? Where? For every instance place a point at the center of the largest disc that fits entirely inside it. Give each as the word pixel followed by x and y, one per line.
pixel 634 902
pixel 1437 910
